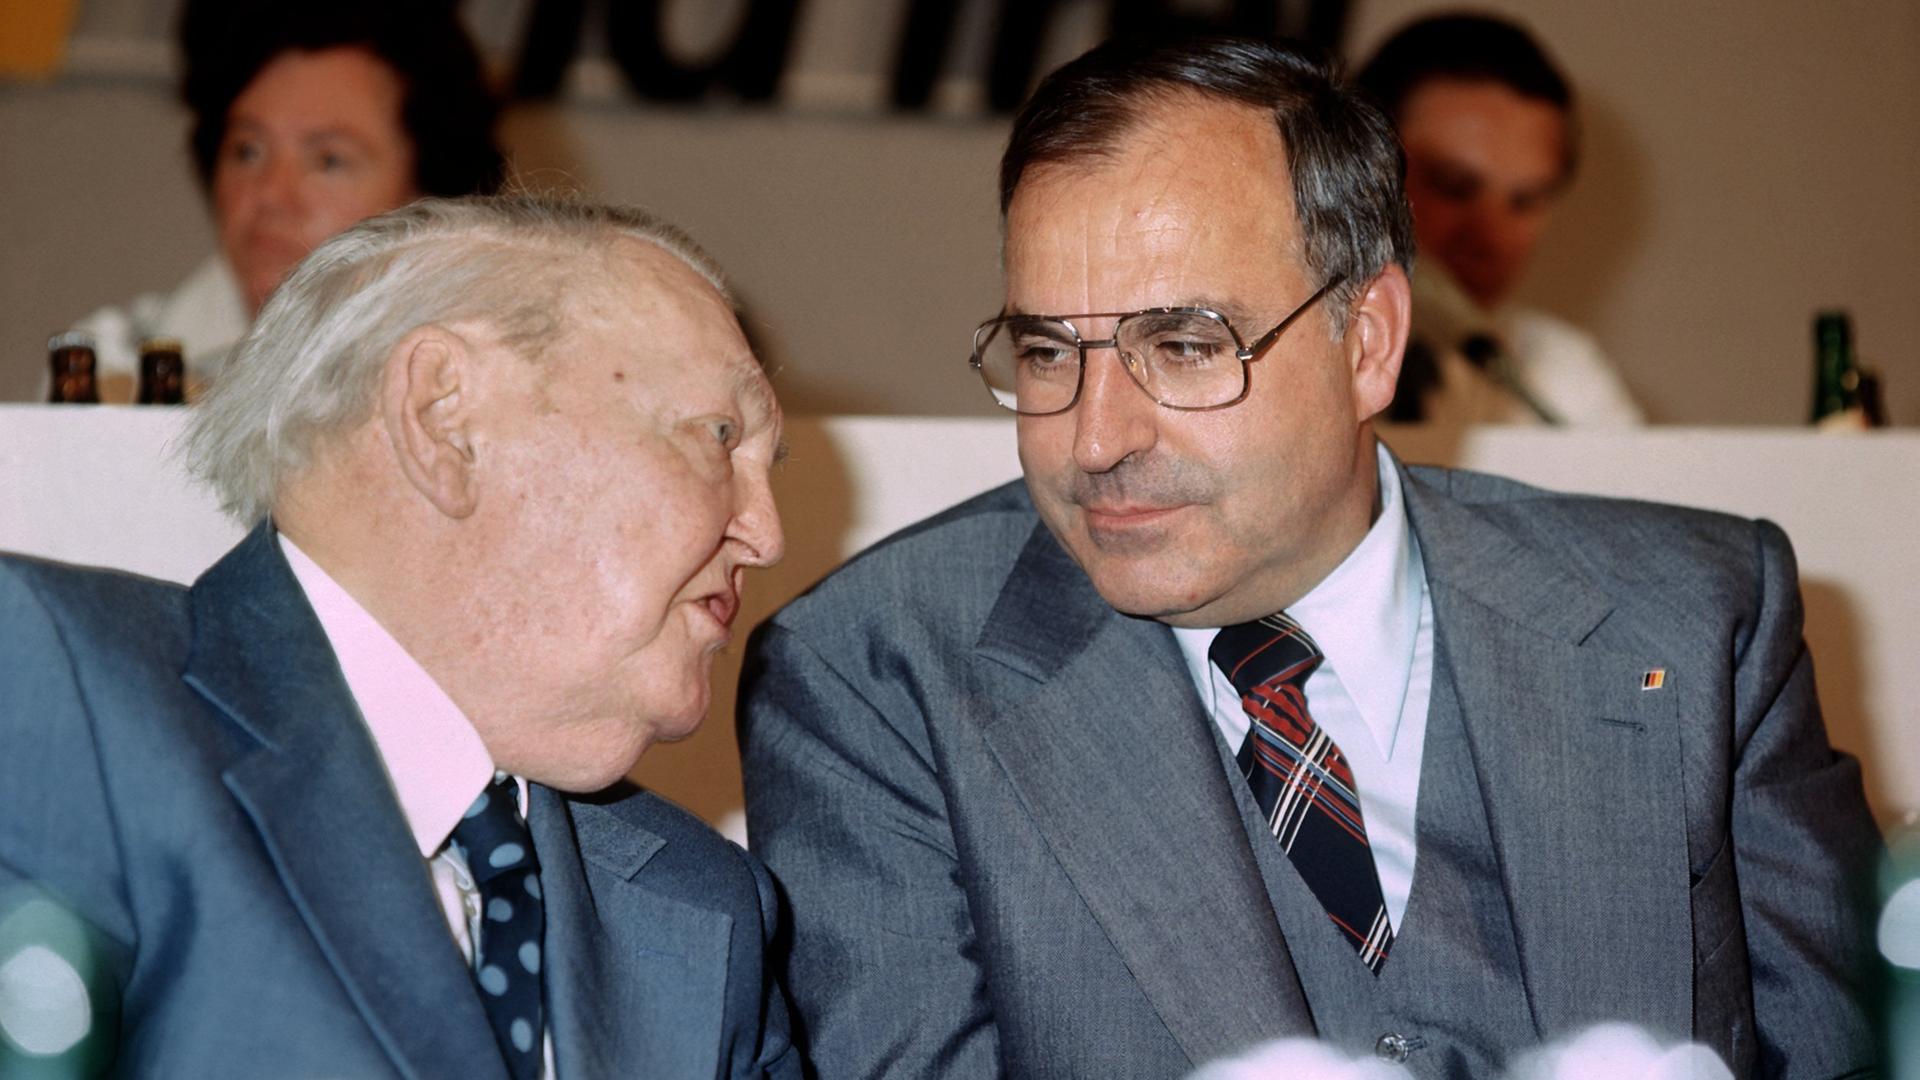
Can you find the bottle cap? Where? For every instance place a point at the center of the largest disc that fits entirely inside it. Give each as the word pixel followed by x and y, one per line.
pixel 72 339
pixel 1833 327
pixel 160 344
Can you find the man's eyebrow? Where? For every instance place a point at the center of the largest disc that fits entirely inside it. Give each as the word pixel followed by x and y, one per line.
pixel 750 383
pixel 1211 303
pixel 1233 311
pixel 750 379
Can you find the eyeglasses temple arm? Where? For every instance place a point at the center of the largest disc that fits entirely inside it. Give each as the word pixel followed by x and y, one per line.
pixel 1267 338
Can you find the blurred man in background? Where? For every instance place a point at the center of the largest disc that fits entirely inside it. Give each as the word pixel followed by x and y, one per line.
pixel 1491 141
pixel 306 119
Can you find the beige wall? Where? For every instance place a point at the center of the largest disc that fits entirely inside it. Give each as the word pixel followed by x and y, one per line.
pixel 1746 164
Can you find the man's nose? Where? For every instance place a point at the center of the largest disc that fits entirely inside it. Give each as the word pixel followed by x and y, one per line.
pixel 1486 225
pixel 756 527
pixel 1114 417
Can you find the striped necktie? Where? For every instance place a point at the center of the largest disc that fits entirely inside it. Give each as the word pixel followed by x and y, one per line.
pixel 1301 781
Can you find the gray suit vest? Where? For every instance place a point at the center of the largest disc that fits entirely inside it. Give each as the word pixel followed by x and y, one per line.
pixel 1451 993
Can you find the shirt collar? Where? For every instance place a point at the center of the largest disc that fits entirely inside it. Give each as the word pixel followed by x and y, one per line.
pixel 1365 616
pixel 433 756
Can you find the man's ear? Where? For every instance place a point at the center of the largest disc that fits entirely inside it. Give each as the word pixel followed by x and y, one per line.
pixel 1376 338
pixel 426 402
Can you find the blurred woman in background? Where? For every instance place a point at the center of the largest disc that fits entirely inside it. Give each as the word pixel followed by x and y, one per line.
pixel 307 117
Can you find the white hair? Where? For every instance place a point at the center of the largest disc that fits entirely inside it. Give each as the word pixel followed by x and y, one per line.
pixel 310 367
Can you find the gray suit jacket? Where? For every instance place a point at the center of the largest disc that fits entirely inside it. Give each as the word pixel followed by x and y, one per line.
pixel 185 772
pixel 1010 847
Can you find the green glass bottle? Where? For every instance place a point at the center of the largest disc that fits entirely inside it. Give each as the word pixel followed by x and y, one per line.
pixel 1836 379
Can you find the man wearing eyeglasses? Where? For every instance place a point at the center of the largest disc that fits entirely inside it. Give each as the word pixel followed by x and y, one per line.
pixel 1225 726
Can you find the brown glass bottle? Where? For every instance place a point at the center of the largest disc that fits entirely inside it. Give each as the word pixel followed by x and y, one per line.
pixel 163 373
pixel 71 355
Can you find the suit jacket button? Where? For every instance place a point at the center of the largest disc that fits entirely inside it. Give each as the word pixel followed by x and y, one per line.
pixel 1395 1048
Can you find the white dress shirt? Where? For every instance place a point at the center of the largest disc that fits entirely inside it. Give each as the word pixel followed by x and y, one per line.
pixel 1373 620
pixel 433 756
pixel 1559 365
pixel 1565 366
pixel 205 312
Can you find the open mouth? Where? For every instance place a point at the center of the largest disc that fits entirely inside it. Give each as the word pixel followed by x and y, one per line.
pixel 723 607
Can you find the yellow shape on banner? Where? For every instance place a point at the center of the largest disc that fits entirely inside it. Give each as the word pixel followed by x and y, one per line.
pixel 33 37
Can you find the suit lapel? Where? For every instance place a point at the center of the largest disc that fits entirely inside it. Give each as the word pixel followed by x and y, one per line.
pixel 636 981
pixel 1577 767
pixel 1108 749
pixel 320 799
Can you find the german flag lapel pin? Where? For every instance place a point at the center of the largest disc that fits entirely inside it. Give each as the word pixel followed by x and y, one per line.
pixel 1654 679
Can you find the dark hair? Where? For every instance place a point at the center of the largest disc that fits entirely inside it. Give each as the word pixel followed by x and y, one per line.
pixel 446 109
pixel 1478 48
pixel 1346 162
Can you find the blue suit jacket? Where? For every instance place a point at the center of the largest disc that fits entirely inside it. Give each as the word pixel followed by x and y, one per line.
pixel 185 772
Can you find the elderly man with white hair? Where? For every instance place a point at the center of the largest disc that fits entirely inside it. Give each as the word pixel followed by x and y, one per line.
pixel 352 805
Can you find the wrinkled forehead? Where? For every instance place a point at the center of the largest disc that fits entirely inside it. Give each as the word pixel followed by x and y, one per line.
pixel 1485 120
pixel 1176 137
pixel 644 289
pixel 679 318
pixel 1221 160
pixel 1196 198
pixel 643 271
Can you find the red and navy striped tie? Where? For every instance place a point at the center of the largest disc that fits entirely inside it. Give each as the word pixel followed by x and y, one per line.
pixel 1301 781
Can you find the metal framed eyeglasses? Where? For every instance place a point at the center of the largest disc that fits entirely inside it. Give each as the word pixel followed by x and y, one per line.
pixel 1183 357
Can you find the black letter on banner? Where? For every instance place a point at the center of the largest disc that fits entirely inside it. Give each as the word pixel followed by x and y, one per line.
pixel 1021 29
pixel 923 51
pixel 1324 22
pixel 751 66
pixel 551 39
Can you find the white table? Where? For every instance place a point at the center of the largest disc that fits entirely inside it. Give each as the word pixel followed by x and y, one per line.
pixel 98 485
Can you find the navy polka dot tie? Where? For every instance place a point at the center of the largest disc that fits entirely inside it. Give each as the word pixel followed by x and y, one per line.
pixel 493 839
